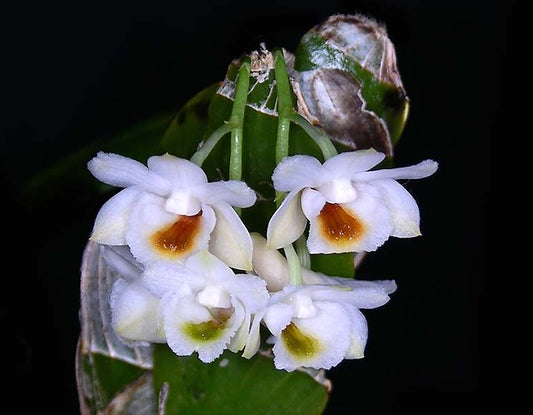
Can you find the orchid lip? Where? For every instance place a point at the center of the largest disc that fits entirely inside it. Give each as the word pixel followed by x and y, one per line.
pixel 178 238
pixel 339 226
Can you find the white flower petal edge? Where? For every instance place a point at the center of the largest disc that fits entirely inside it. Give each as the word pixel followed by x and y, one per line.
pixel 177 170
pixel 170 188
pixel 230 240
pixel 368 224
pixel 154 234
pixel 320 342
pixel 135 312
pixel 317 324
pixel 111 222
pixel 405 215
pixel 325 324
pixel 287 223
pixel 190 328
pixel 120 171
pixel 295 172
pixel 349 208
pixel 353 161
pixel 205 307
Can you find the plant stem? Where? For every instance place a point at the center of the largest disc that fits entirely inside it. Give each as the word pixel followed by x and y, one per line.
pixel 303 252
pixel 323 142
pixel 237 120
pixel 284 111
pixel 285 108
pixel 208 145
pixel 295 270
pixel 284 105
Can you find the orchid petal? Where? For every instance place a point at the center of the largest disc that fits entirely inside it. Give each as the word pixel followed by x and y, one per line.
pixel 189 327
pixel 180 172
pixel 111 222
pixel 135 312
pixel 418 171
pixel 254 337
pixel 250 290
pixel 312 203
pixel 387 286
pixel 287 223
pixel 230 240
pixel 210 267
pixel 320 342
pixel 238 341
pixel 370 225
pixel 364 296
pixel 296 172
pixel 117 170
pixel 233 192
pixel 347 164
pixel 277 317
pixel 121 171
pixel 149 222
pixel 403 208
pixel 358 332
pixel 162 277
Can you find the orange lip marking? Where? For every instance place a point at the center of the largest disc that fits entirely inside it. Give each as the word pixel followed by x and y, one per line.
pixel 178 238
pixel 339 226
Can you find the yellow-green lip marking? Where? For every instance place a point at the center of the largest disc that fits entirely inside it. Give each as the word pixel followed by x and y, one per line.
pixel 206 331
pixel 298 343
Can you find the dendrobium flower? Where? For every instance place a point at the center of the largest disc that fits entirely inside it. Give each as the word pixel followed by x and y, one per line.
pixel 168 210
pixel 204 307
pixel 349 209
pixel 316 324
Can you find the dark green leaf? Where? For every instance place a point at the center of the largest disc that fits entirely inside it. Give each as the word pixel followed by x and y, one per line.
pixel 232 385
pixel 336 265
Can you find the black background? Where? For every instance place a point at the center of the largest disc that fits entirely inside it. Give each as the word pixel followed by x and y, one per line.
pixel 72 73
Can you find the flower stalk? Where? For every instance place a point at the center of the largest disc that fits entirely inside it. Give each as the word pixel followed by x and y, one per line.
pixel 284 105
pixel 237 120
pixel 323 142
pixel 203 152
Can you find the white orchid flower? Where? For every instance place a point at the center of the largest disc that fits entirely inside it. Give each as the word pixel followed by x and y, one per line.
pixel 317 324
pixel 349 209
pixel 205 307
pixel 168 210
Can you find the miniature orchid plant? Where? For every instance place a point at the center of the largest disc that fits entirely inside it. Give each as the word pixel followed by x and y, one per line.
pixel 215 251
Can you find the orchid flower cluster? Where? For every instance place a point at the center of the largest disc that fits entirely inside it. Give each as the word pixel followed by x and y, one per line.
pixel 192 274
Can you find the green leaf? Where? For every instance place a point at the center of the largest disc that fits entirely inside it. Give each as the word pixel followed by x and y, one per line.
pixel 102 379
pixel 232 385
pixel 336 265
pixel 188 126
